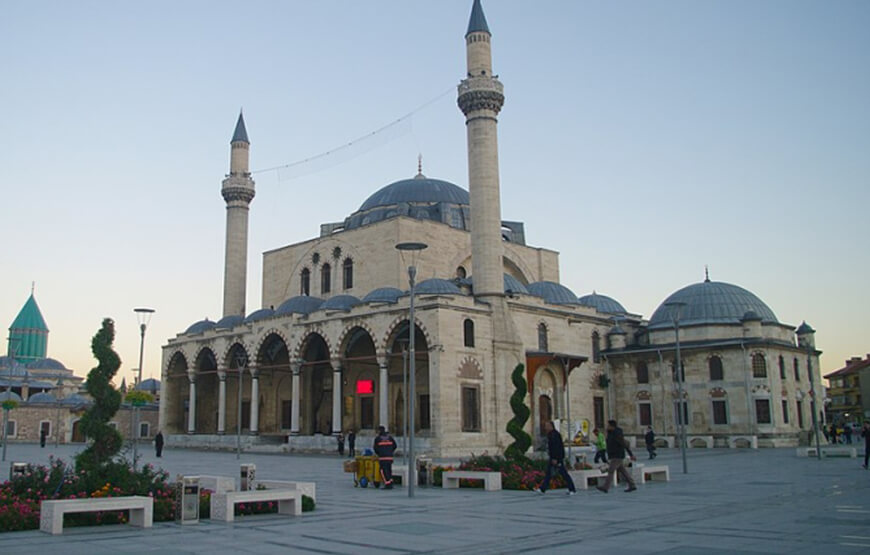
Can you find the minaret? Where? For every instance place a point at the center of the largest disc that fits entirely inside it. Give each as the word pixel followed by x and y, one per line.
pixel 238 192
pixel 481 97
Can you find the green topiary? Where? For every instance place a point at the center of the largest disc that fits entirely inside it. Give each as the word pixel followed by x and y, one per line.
pixel 516 426
pixel 104 441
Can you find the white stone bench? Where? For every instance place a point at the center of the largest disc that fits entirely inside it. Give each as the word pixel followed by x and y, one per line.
pixel 51 511
pixel 701 442
pixel 749 441
pixel 665 441
pixel 582 477
pixel 491 480
pixel 307 488
pixel 827 451
pixel 223 504
pixel 402 472
pixel 217 484
pixel 656 473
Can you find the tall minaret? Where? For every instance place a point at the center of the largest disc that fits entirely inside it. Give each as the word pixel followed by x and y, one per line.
pixel 481 97
pixel 238 192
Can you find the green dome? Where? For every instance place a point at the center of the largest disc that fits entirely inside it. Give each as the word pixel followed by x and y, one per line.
pixel 28 334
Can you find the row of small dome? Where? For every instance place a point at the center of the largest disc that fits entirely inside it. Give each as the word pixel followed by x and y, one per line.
pixel 42 398
pixel 550 292
pixel 38 364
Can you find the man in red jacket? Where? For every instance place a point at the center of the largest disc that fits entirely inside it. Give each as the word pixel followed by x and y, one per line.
pixel 384 448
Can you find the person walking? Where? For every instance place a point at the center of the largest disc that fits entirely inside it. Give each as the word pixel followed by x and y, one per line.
pixel 616 450
pixel 600 446
pixel 384 448
pixel 834 434
pixel 556 452
pixel 865 433
pixel 158 443
pixel 351 444
pixel 43 434
pixel 847 431
pixel 340 439
pixel 650 439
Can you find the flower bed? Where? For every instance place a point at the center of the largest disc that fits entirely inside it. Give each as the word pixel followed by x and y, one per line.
pixel 516 473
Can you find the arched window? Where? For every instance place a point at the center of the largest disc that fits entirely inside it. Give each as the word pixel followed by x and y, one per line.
pixel 716 371
pixel 468 332
pixel 797 370
pixel 305 282
pixel 543 344
pixel 759 366
pixel 461 273
pixel 348 273
pixel 325 278
pixel 781 368
pixel 642 372
pixel 596 347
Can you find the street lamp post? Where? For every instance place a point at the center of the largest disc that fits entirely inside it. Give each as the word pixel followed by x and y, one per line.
pixel 404 344
pixel 143 315
pixel 241 362
pixel 10 354
pixel 57 414
pixel 682 408
pixel 413 251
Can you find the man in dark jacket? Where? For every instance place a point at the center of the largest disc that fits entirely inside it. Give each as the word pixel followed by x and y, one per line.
pixel 556 452
pixel 865 433
pixel 384 448
pixel 351 443
pixel 650 439
pixel 158 443
pixel 616 450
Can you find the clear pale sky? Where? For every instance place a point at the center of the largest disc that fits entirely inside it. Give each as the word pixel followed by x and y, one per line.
pixel 642 140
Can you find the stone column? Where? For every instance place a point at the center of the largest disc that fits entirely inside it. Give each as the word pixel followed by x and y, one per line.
pixel 255 401
pixel 383 390
pixel 336 397
pixel 222 402
pixel 294 408
pixel 191 404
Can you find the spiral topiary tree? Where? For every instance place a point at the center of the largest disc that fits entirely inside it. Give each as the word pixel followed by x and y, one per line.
pixel 104 441
pixel 516 426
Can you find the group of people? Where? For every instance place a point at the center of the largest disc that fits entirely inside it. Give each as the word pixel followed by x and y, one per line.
pixel 841 435
pixel 351 444
pixel 611 449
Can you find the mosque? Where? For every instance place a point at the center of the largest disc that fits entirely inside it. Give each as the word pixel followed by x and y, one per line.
pixel 328 349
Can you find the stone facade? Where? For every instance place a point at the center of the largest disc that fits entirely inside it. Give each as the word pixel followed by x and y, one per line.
pixel 26 421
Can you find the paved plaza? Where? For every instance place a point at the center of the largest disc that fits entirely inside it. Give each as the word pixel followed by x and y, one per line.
pixel 732 501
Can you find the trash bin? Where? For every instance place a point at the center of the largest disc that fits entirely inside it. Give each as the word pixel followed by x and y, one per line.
pixel 368 471
pixel 17 469
pixel 424 471
pixel 187 499
pixel 247 474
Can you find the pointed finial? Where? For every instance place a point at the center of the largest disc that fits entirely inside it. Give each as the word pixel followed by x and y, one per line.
pixel 477 21
pixel 420 164
pixel 240 134
pixel 32 288
pixel 706 274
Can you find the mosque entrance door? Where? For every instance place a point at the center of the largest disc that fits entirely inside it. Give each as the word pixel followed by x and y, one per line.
pixel 545 412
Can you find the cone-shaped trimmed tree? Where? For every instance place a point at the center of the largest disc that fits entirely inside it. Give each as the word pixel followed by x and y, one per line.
pixel 104 441
pixel 516 426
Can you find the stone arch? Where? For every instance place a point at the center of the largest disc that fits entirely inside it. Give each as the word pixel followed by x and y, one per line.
pixel 760 389
pixel 329 245
pixel 264 336
pixel 303 343
pixel 205 359
pixel 345 336
pixel 228 358
pixel 396 326
pixel 175 361
pixel 718 393
pixel 469 368
pixel 643 396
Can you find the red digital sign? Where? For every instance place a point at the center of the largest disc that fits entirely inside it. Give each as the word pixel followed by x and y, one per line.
pixel 365 386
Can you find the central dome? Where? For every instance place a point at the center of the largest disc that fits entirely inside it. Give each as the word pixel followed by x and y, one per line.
pixel 711 302
pixel 421 198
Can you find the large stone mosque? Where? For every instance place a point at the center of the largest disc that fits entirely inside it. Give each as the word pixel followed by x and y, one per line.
pixel 327 350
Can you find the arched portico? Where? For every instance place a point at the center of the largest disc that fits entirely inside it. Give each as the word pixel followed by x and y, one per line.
pixel 205 384
pixel 398 366
pixel 317 385
pixel 178 390
pixel 274 386
pixel 361 383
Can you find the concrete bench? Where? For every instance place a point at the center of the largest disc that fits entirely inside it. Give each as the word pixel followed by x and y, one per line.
pixel 582 478
pixel 402 472
pixel 217 484
pixel 491 480
pixel 657 473
pixel 701 442
pixel 743 441
pixel 827 451
pixel 51 511
pixel 307 488
pixel 223 504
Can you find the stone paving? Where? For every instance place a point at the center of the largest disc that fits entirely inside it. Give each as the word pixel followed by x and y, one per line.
pixel 732 501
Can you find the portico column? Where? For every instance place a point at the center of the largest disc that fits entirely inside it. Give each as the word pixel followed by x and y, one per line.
pixel 255 401
pixel 222 402
pixel 294 407
pixel 191 404
pixel 336 397
pixel 383 389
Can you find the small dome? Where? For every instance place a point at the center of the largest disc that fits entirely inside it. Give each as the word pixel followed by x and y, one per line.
pixel 711 302
pixel 229 322
pixel 200 327
pixel 750 316
pixel 804 329
pixel 301 304
pixel 46 364
pixel 76 399
pixel 9 395
pixel 261 314
pixel 602 303
pixel 436 286
pixel 340 302
pixel 552 292
pixel 41 398
pixel 513 285
pixel 384 295
pixel 149 385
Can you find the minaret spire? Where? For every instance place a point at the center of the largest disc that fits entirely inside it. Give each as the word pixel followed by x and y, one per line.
pixel 481 96
pixel 238 192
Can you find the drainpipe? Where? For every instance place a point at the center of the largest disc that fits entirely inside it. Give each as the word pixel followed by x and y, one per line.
pixel 664 393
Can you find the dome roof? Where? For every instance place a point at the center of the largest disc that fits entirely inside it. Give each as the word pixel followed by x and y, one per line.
pixel 602 303
pixel 229 322
pixel 711 302
pixel 340 302
pixel 420 189
pixel 46 364
pixel 42 398
pixel 149 385
pixel 511 284
pixel 261 314
pixel 9 395
pixel 384 295
pixel 76 399
pixel 301 304
pixel 552 292
pixel 804 328
pixel 436 286
pixel 201 326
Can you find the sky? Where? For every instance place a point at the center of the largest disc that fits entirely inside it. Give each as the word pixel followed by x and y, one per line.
pixel 642 140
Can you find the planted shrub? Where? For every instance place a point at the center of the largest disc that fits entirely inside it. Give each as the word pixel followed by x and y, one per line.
pixel 516 425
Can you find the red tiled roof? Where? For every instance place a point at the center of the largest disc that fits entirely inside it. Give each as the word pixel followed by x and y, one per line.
pixel 851 367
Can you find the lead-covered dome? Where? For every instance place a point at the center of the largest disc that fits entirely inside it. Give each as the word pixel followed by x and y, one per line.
pixel 340 302
pixel 420 197
pixel 300 304
pixel 200 327
pixel 711 302
pixel 552 292
pixel 602 303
